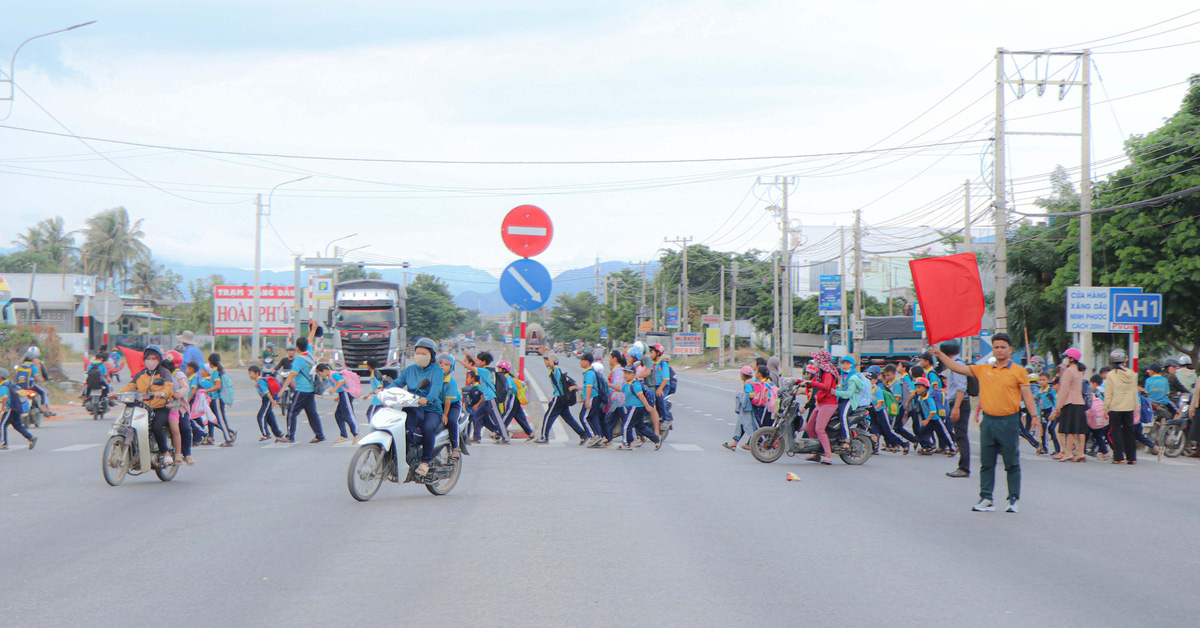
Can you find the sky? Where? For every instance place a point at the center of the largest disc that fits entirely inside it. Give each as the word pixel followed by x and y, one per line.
pixel 809 83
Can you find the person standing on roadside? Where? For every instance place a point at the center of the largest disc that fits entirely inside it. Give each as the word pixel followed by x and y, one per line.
pixel 959 406
pixel 1069 408
pixel 191 353
pixel 1002 386
pixel 1121 401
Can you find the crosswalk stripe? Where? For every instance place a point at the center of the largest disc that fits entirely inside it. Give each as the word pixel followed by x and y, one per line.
pixel 76 447
pixel 685 447
pixel 278 446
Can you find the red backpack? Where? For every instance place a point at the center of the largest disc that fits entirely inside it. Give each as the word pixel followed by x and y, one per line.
pixel 273 386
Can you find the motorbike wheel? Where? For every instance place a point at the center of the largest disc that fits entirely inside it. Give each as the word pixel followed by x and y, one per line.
pixel 115 463
pixel 446 484
pixel 33 418
pixel 166 474
pixel 766 445
pixel 860 450
pixel 365 473
pixel 1174 441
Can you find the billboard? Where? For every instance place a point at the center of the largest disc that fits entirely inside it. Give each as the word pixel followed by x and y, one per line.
pixel 688 343
pixel 830 301
pixel 232 306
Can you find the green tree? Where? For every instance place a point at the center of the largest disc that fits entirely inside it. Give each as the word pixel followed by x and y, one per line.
pixel 350 273
pixel 146 277
pixel 197 315
pixel 431 309
pixel 24 261
pixel 574 317
pixel 112 243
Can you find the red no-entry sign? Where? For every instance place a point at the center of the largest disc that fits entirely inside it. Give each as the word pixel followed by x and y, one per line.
pixel 527 230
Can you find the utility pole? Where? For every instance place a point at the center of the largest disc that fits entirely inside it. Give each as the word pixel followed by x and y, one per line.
pixel 999 204
pixel 844 324
pixel 597 289
pixel 721 325
pixel 775 341
pixel 1085 197
pixel 684 323
pixel 785 251
pixel 966 348
pixel 858 276
pixel 254 316
pixel 733 315
pixel 296 308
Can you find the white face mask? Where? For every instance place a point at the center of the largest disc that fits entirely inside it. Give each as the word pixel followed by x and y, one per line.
pixel 151 365
pixel 422 360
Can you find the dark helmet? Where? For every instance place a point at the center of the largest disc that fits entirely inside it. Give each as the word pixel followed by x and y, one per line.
pixel 426 343
pixel 1169 362
pixel 155 349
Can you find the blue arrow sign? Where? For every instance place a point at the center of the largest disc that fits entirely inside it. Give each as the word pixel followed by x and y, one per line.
pixel 1137 309
pixel 525 285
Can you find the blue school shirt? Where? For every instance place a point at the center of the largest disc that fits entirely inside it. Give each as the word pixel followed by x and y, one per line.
pixel 1046 399
pixel 1158 389
pixel 450 390
pixel 877 398
pixel 264 390
pixel 589 379
pixel 103 368
pixel 375 384
pixel 556 381
pixel 487 381
pixel 631 391
pixel 302 366
pixel 337 377
pixel 662 372
pixel 928 407
pixel 934 380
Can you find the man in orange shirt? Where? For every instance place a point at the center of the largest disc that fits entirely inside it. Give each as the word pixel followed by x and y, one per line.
pixel 1002 387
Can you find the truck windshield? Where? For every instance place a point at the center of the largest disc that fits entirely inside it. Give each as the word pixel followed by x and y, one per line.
pixel 366 319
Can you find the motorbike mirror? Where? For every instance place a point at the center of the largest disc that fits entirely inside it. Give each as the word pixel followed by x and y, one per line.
pixel 158 381
pixel 320 332
pixel 424 383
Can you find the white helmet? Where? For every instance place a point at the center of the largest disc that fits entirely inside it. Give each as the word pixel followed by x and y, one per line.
pixel 33 353
pixel 1185 360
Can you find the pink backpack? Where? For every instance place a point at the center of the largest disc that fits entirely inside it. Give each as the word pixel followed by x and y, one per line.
pixel 353 384
pixel 1096 417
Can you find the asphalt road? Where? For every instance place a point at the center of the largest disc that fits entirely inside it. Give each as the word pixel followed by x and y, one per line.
pixel 555 535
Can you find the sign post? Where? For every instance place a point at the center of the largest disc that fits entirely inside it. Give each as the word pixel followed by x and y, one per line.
pixel 526 231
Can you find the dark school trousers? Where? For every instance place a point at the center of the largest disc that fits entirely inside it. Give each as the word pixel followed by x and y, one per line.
pixel 555 409
pixel 266 419
pixel 998 436
pixel 1124 443
pixel 13 418
pixel 960 434
pixel 306 402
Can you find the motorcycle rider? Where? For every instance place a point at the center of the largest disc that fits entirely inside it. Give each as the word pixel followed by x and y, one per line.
pixel 29 372
pixel 825 382
pixel 144 382
pixel 181 435
pixel 10 412
pixel 1185 373
pixel 268 351
pixel 428 415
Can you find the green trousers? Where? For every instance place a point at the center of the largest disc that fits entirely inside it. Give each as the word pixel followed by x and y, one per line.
pixel 999 435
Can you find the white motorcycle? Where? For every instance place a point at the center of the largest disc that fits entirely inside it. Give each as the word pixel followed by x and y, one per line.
pixel 130 449
pixel 378 452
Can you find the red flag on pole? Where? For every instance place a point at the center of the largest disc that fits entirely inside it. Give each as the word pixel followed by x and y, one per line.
pixel 950 294
pixel 133 359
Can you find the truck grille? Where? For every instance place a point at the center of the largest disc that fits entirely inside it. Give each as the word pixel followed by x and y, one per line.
pixel 357 351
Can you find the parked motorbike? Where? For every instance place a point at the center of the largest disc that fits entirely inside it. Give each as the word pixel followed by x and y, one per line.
pixel 130 449
pixel 769 443
pixel 1173 436
pixel 379 452
pixel 32 417
pixel 96 403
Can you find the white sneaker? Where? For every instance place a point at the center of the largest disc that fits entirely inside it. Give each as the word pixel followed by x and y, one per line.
pixel 984 505
pixel 1012 506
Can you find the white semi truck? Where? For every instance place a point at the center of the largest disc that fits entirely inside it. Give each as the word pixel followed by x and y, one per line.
pixel 367 323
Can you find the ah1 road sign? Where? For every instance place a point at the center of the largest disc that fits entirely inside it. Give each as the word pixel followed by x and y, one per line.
pixel 527 230
pixel 525 285
pixel 1142 308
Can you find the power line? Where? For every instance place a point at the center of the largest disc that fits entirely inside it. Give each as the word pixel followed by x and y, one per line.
pixel 1136 30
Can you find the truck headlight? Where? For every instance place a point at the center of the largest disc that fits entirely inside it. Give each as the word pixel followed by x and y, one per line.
pixel 337 357
pixel 393 355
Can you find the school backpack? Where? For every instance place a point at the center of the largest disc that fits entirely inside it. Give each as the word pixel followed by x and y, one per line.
pixel 24 375
pixel 1145 410
pixel 762 394
pixel 772 398
pixel 1087 394
pixel 601 387
pixel 522 391
pixel 353 384
pixel 672 381
pixel 226 392
pixel 570 397
pixel 273 386
pixel 890 403
pixel 95 379
pixel 1096 417
pixel 501 385
pixel 939 401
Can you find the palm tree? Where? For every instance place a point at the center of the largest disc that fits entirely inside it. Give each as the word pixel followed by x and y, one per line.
pixel 58 243
pixel 146 276
pixel 31 241
pixel 111 243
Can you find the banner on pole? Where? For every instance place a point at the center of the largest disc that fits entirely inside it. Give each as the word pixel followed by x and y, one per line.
pixel 232 307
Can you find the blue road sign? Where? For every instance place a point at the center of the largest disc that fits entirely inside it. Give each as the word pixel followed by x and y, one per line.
pixel 672 318
pixel 604 332
pixel 830 301
pixel 525 285
pixel 1143 308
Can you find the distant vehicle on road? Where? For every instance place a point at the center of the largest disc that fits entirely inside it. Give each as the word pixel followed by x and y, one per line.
pixel 535 340
pixel 368 323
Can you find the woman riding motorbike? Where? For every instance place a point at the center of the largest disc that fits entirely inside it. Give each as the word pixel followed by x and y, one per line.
pixel 825 382
pixel 156 380
pixel 428 415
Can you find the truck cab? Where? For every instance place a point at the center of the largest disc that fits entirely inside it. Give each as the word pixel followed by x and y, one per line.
pixel 367 322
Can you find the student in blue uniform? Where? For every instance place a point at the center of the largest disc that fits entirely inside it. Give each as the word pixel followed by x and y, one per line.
pixel 451 404
pixel 636 406
pixel 344 413
pixel 481 366
pixel 557 406
pixel 266 416
pixel 301 378
pixel 376 385
pixel 10 411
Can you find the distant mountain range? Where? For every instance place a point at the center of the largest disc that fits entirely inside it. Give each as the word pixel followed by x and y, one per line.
pixel 473 288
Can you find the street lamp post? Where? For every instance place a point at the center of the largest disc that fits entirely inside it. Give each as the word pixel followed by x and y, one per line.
pixel 13 61
pixel 258 216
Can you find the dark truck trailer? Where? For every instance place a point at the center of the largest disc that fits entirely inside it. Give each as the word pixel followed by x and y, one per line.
pixel 889 338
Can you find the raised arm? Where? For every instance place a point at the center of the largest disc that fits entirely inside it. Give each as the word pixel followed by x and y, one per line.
pixel 951 363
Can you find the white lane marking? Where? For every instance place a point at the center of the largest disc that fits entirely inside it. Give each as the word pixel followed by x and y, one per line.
pixel 560 432
pixel 278 446
pixel 722 388
pixel 349 443
pixel 685 447
pixel 75 447
pixel 730 423
pixel 707 414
